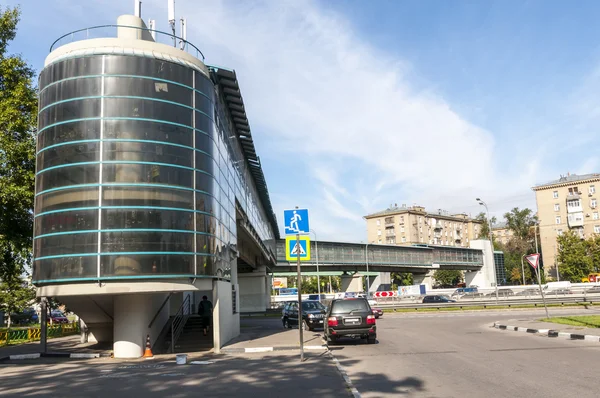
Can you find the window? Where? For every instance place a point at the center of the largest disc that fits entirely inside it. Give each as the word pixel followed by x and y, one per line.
pixel 595 216
pixel 593 203
pixel 574 203
pixel 555 194
pixel 556 207
pixel 378 222
pixel 404 239
pixel 597 229
pixel 573 191
pixel 558 219
pixel 402 228
pixel 379 241
pixel 559 232
pixel 378 232
pixel 592 189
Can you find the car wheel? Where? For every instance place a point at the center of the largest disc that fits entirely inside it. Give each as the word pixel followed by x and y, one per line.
pixel 371 340
pixel 286 323
pixel 306 326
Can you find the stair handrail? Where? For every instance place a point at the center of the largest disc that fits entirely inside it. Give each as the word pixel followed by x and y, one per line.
pixel 179 321
pixel 159 310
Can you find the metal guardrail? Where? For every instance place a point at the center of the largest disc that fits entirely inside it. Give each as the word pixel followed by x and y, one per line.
pixel 15 336
pixel 179 321
pixel 106 31
pixel 492 303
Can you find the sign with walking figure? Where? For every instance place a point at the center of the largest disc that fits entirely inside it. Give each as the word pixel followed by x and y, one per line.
pixel 296 221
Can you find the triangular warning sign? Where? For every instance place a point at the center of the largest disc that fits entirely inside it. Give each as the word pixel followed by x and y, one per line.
pixel 533 259
pixel 298 249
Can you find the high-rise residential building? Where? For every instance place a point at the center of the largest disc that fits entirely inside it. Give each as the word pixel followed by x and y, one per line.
pixel 569 203
pixel 413 225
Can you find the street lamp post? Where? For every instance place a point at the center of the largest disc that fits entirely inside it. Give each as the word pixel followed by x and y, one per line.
pixel 317 254
pixel 482 203
pixel 367 264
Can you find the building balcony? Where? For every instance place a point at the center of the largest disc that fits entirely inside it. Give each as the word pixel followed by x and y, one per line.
pixel 438 225
pixel 575 220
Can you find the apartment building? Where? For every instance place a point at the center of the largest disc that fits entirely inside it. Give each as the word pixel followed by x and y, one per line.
pixel 569 203
pixel 402 225
pixel 502 233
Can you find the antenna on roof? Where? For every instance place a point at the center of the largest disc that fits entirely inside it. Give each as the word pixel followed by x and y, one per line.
pixel 152 28
pixel 138 9
pixel 171 14
pixel 183 41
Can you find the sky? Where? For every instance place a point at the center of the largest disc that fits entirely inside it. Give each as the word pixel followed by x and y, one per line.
pixel 357 105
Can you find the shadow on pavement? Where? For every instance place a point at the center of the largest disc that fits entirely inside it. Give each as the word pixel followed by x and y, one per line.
pixel 258 375
pixel 269 332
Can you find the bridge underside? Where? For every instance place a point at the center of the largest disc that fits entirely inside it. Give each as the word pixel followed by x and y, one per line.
pixel 312 267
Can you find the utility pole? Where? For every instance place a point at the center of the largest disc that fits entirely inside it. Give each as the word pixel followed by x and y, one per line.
pixel 300 320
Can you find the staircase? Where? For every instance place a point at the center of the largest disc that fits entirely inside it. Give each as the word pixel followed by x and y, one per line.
pixel 192 337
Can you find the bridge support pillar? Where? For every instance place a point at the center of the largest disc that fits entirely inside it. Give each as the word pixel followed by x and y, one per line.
pixel 255 292
pixel 424 279
pixel 352 283
pixel 484 278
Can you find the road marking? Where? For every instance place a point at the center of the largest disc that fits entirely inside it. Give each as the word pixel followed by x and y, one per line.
pixel 259 349
pixel 345 376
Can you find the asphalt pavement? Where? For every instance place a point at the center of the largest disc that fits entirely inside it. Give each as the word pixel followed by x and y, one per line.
pixel 462 355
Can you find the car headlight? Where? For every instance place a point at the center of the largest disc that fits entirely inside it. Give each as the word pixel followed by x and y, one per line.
pixel 311 316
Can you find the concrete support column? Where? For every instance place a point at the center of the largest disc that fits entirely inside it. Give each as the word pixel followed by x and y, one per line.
pixel 352 283
pixel 485 277
pixel 226 324
pixel 132 315
pixel 424 279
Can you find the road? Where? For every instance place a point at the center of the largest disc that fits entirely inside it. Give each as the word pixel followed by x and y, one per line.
pixel 459 355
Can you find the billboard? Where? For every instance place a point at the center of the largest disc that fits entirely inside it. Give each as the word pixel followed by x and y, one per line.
pixel 279 283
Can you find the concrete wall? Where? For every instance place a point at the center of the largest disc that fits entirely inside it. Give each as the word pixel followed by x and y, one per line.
pixel 226 323
pixel 254 294
pixel 424 279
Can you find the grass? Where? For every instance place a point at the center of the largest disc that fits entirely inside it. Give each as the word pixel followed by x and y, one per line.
pixel 588 321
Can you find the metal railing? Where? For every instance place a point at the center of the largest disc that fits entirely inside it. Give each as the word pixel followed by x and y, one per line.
pixel 179 321
pixel 110 31
pixel 17 336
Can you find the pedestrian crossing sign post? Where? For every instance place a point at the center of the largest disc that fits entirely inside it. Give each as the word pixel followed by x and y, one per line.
pixel 295 248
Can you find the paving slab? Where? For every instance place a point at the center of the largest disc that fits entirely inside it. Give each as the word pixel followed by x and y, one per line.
pixel 257 333
pixel 67 344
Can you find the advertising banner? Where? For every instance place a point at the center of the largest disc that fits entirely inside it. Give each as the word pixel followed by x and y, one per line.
pixel 280 283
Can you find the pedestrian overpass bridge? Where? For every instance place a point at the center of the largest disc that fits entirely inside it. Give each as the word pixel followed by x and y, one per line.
pixel 352 257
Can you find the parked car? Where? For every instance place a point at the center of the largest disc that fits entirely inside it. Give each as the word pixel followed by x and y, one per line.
pixel 24 318
pixel 595 289
pixel 528 292
pixel 376 311
pixel 501 293
pixel 438 299
pixel 313 314
pixel 351 318
pixel 58 317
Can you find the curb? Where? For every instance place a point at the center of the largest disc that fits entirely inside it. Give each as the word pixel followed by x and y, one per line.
pixel 345 376
pixel 549 332
pixel 248 350
pixel 76 355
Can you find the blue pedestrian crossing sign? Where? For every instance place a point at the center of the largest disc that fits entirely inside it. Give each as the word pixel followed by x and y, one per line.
pixel 296 221
pixel 294 249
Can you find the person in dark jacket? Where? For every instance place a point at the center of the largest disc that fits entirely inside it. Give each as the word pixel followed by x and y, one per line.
pixel 205 311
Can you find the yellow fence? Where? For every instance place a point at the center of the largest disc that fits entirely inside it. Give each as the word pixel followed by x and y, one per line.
pixel 16 336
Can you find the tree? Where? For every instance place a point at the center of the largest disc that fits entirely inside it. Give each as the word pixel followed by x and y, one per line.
pixel 485 224
pixel 401 279
pixel 575 256
pixel 520 222
pixel 18 118
pixel 448 277
pixel 15 296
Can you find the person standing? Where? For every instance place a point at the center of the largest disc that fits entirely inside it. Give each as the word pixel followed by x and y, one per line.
pixel 205 311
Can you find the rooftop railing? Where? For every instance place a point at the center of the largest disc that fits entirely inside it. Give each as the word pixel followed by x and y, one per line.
pixel 111 31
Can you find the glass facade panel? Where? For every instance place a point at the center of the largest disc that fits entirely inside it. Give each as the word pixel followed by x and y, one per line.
pixel 147 219
pixel 67 89
pixel 146 264
pixel 147 152
pixel 65 268
pixel 76 153
pixel 65 176
pixel 140 87
pixel 67 199
pixel 76 131
pixel 147 109
pixel 70 68
pixel 64 221
pixel 148 131
pixel 147 196
pixel 146 174
pixel 156 68
pixel 60 245
pixel 65 111
pixel 147 242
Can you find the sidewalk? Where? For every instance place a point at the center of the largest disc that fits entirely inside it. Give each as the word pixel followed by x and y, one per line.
pixel 268 334
pixel 254 375
pixel 69 344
